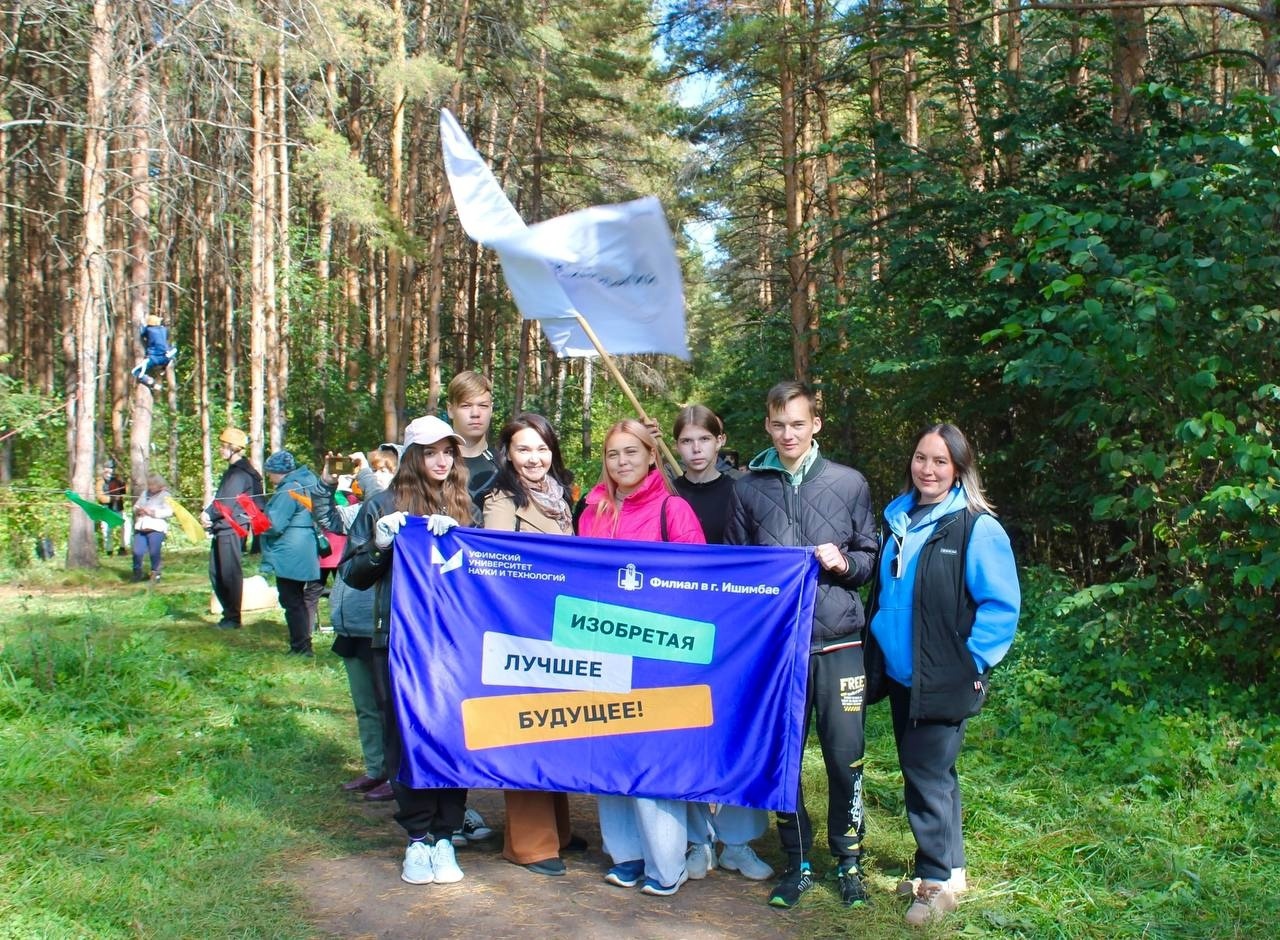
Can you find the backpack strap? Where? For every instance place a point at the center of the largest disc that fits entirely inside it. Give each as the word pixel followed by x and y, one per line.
pixel 662 520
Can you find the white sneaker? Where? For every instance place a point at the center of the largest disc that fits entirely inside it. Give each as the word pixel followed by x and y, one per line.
pixel 700 859
pixel 473 829
pixel 744 860
pixel 445 863
pixel 417 869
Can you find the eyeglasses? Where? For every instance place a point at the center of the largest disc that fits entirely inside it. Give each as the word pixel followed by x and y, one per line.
pixel 896 562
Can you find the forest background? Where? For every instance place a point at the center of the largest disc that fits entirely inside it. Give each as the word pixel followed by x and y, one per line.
pixel 1056 224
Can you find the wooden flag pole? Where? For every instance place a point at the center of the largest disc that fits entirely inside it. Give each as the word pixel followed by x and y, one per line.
pixel 622 383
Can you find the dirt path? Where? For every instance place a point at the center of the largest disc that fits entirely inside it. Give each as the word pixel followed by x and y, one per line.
pixel 362 896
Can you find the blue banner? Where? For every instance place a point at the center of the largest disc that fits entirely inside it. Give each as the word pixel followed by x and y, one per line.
pixel 655 669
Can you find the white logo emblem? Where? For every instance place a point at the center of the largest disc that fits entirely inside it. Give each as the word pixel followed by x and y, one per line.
pixel 450 564
pixel 629 579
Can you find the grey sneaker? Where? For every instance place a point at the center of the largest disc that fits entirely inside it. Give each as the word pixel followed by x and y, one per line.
pixel 744 860
pixel 700 859
pixel 932 900
pixel 417 869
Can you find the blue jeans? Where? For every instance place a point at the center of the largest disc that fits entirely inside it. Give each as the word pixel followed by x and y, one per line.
pixel 147 543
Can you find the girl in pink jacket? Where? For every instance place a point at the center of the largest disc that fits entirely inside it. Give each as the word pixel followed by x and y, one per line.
pixel 645 837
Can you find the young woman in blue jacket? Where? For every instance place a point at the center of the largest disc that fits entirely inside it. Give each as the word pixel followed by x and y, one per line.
pixel 945 607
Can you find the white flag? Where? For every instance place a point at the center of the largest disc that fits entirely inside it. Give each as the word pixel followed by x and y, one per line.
pixel 615 265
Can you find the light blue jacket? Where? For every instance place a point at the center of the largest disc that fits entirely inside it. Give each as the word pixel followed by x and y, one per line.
pixel 990 577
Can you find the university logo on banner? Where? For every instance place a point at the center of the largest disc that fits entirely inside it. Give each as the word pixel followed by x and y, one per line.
pixel 654 669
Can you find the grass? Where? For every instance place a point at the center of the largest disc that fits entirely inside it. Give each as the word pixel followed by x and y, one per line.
pixel 160 777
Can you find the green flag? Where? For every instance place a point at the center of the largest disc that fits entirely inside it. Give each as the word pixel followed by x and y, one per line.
pixel 97 512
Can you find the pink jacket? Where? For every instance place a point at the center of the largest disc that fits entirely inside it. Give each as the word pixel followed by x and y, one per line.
pixel 640 516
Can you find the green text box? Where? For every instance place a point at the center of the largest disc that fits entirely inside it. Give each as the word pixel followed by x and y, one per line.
pixel 590 625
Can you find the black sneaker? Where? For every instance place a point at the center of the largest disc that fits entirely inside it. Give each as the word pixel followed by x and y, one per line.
pixel 853 893
pixel 795 882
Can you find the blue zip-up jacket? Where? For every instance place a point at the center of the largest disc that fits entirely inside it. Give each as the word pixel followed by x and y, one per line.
pixel 990 577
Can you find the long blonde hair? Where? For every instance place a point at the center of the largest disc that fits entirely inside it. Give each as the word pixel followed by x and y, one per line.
pixel 609 505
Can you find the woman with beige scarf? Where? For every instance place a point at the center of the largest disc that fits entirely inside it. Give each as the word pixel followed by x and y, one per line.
pixel 531 494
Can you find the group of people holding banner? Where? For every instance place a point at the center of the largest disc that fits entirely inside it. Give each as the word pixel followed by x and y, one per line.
pixel 944 603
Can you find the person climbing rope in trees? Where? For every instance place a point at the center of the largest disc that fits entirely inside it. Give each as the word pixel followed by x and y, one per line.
pixel 155 341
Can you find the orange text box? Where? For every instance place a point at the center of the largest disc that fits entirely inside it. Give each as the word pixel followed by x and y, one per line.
pixel 500 720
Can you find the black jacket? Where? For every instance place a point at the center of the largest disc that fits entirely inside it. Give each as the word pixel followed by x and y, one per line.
pixel 945 683
pixel 365 566
pixel 831 504
pixel 240 477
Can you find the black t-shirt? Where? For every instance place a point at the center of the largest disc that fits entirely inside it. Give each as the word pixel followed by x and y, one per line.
pixel 482 469
pixel 710 502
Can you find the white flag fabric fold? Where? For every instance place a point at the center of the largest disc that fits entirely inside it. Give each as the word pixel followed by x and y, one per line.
pixel 614 265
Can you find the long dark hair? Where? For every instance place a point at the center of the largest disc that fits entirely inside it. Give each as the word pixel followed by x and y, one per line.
pixel 508 478
pixel 962 458
pixel 419 495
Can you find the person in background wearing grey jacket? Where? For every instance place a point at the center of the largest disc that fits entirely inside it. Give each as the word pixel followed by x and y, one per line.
pixel 351 613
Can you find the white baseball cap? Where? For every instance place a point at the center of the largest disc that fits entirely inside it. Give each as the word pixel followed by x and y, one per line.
pixel 429 430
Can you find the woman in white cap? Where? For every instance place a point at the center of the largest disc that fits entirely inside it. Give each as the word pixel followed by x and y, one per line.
pixel 432 482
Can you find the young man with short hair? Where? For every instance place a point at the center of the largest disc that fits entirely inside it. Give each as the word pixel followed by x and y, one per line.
pixel 793 496
pixel 470 408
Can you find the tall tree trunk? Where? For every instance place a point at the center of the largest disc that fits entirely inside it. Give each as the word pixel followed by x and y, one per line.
pixel 1128 61
pixel 257 271
pixel 140 242
pixel 284 305
pixel 966 91
pixel 273 354
pixel 83 363
pixel 797 263
pixel 393 390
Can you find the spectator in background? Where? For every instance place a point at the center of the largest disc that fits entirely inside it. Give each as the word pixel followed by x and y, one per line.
pixel 289 546
pixel 352 612
pixel 221 519
pixel 110 490
pixel 151 514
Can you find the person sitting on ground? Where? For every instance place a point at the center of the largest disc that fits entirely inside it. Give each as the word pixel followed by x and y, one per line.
pixel 151 514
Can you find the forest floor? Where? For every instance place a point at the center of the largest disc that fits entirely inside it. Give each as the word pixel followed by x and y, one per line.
pixel 361 895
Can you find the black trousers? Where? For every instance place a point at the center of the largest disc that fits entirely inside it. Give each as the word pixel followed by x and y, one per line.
pixel 297 613
pixel 837 686
pixel 927 752
pixel 226 573
pixel 434 813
